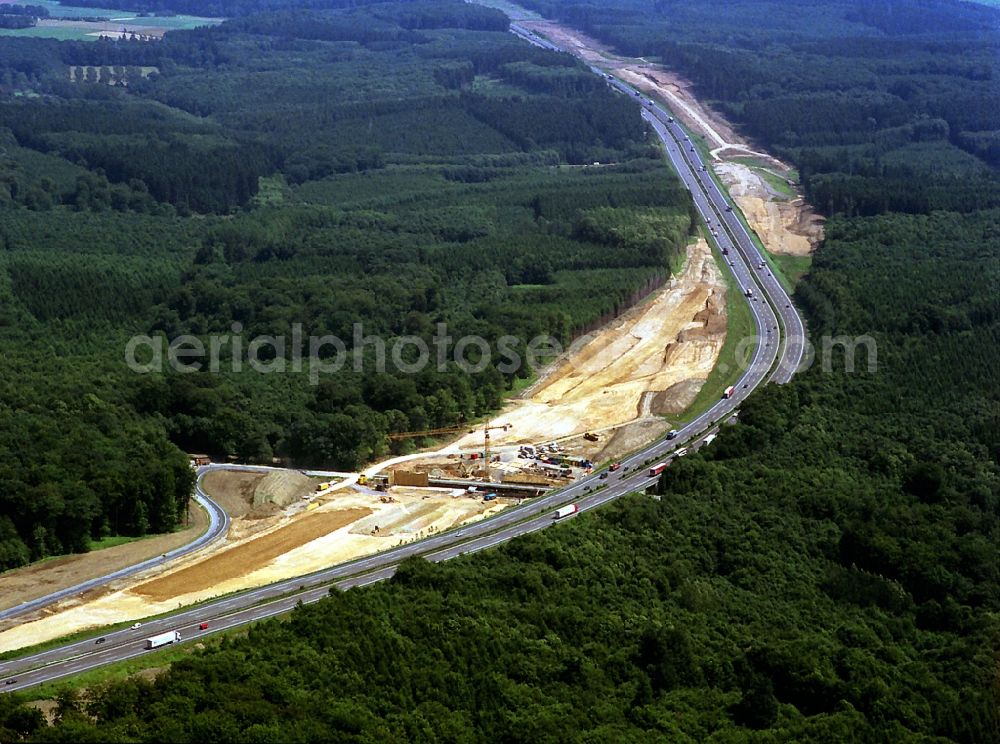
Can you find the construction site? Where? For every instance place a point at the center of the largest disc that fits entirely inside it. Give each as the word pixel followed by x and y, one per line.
pixel 614 391
pixel 762 186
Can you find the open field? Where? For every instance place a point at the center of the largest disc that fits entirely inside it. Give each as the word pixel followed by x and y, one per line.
pixel 69 22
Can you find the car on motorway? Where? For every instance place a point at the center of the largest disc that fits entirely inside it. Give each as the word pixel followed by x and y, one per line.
pixel 681 452
pixel 135 626
pixel 672 434
pixel 99 641
pixel 603 476
pixel 203 626
pixel 11 682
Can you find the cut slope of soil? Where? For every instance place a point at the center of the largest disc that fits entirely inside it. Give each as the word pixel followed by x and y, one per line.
pixel 675 337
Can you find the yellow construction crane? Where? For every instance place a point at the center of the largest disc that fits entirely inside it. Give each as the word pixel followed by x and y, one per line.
pixel 485 428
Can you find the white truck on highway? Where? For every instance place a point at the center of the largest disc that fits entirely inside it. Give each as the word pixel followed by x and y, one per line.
pixel 163 639
pixel 565 511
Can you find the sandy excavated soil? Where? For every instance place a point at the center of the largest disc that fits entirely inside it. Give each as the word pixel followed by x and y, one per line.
pixel 233 563
pixel 788 226
pixel 784 225
pixel 675 337
pixel 337 531
pixel 233 490
pixel 31 582
pixel 649 363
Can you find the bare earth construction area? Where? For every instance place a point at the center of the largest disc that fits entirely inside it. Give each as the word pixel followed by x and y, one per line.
pixel 784 222
pixel 652 360
pixel 620 385
pixel 344 525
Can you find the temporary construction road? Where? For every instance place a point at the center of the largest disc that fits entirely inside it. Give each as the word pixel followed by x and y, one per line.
pixel 218 526
pixel 776 356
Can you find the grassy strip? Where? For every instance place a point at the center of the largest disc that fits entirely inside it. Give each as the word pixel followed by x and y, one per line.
pixel 117 671
pixel 727 370
pixel 792 267
pixel 777 183
pixel 113 541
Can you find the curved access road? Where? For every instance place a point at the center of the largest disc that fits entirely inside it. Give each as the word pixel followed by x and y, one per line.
pixel 218 526
pixel 769 358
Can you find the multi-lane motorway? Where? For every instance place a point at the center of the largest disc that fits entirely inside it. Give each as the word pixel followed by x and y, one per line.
pixel 776 355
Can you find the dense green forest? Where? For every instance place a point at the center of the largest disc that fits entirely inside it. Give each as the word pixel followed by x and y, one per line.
pixel 826 571
pixel 393 165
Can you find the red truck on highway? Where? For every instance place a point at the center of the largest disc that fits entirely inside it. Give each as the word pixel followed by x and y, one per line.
pixel 657 469
pixel 729 392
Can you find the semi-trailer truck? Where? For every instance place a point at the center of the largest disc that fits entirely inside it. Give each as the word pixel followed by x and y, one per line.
pixel 565 511
pixel 163 639
pixel 657 469
pixel 729 392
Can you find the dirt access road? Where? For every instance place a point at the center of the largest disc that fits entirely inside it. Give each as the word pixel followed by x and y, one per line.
pixel 783 220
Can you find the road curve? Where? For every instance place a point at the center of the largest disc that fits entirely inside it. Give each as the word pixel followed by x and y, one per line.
pixel 771 359
pixel 218 526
